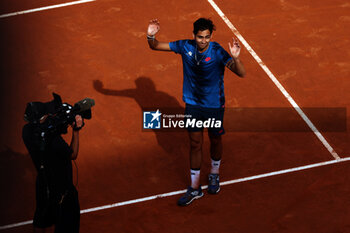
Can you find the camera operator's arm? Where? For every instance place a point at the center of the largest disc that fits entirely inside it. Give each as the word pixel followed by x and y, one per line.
pixel 74 144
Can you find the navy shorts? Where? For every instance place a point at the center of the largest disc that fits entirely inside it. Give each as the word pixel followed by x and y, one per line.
pixel 210 115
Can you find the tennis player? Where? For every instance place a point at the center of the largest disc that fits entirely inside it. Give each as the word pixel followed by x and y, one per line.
pixel 204 64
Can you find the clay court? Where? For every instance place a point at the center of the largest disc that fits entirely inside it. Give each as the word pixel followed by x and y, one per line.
pixel 276 181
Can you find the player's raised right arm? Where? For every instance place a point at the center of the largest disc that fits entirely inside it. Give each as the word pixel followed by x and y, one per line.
pixel 153 29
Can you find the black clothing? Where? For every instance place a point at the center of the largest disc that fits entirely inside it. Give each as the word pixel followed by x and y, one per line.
pixel 56 197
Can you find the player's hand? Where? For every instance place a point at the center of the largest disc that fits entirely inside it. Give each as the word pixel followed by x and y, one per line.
pixel 153 27
pixel 235 48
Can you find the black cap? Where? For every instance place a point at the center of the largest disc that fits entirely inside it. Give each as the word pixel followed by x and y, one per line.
pixel 36 110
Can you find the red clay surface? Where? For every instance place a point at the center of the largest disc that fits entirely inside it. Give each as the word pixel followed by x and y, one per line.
pixel 305 44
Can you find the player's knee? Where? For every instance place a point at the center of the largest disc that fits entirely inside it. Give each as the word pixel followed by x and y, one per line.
pixel 196 144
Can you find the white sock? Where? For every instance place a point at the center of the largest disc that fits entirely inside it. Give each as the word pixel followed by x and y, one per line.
pixel 195 176
pixel 215 166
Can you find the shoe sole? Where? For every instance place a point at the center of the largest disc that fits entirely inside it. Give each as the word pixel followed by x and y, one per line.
pixel 196 197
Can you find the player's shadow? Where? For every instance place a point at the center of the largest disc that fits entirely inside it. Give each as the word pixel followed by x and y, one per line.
pixel 148 97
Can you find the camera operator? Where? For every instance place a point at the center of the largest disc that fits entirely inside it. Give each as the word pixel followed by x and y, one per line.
pixel 57 200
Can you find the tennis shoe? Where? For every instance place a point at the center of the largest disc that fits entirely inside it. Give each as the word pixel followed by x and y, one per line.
pixel 214 184
pixel 190 195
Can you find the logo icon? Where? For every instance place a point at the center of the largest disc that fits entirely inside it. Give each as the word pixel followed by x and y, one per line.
pixel 151 120
pixel 207 59
pixel 190 53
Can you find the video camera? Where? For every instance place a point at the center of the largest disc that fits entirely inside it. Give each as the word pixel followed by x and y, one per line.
pixel 59 115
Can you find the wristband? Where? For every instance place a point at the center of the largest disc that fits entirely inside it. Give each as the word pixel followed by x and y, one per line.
pixel 152 37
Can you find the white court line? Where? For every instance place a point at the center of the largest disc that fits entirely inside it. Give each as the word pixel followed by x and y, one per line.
pixel 274 79
pixel 295 169
pixel 45 8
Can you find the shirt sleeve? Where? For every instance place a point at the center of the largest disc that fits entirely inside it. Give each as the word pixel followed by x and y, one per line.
pixel 224 56
pixel 177 46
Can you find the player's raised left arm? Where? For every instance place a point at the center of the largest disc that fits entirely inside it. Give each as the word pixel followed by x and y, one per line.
pixel 235 65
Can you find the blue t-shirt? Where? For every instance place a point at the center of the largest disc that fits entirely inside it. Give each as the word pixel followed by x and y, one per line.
pixel 203 84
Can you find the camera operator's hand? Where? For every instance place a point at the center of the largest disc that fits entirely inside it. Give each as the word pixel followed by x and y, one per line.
pixel 78 124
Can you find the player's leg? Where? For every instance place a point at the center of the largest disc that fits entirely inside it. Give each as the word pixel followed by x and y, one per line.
pixel 215 152
pixel 196 143
pixel 194 191
pixel 215 137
